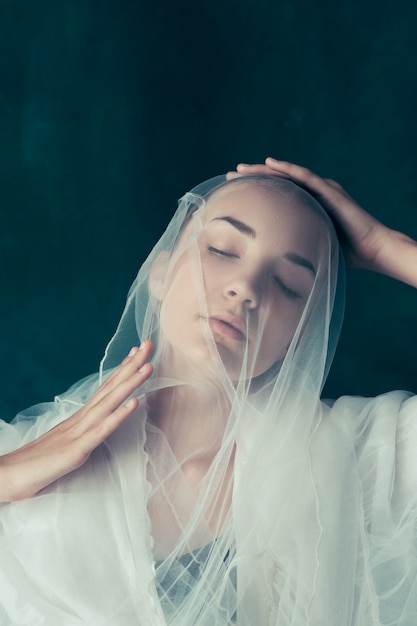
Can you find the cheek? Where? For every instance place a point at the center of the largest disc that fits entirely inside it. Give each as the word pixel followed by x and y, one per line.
pixel 278 331
pixel 211 277
pixel 179 299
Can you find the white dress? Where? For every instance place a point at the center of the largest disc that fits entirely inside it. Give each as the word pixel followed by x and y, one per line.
pixel 80 552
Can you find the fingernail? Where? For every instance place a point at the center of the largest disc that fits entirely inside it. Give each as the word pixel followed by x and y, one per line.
pixel 130 403
pixel 143 368
pixel 132 351
pixel 142 346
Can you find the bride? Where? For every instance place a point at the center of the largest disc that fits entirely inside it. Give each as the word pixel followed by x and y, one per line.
pixel 198 478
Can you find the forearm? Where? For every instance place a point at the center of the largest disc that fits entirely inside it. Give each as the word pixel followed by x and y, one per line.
pixel 398 258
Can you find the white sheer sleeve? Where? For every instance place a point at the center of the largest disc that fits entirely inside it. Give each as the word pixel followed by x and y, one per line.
pixel 385 434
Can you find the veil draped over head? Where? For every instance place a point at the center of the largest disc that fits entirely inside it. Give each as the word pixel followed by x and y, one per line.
pixel 233 494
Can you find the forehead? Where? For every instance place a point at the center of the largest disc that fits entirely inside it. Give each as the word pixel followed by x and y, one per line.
pixel 277 215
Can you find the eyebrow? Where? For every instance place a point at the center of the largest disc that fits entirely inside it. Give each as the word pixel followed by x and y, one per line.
pixel 250 232
pixel 240 226
pixel 300 260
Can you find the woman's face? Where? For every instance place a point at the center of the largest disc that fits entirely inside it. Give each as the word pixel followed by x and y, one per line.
pixel 259 252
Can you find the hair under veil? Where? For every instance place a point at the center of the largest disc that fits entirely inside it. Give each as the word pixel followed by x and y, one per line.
pixel 272 532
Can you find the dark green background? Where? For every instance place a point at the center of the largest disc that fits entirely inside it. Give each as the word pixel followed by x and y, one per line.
pixel 110 110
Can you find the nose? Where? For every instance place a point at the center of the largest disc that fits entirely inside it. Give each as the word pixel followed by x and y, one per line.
pixel 242 291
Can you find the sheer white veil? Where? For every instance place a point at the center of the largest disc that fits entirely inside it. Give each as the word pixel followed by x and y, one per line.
pixel 140 318
pixel 262 561
pixel 233 493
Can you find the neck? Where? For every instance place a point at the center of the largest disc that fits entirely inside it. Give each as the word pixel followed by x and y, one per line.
pixel 191 416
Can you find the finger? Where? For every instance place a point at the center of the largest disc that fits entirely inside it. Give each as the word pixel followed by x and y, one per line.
pixel 319 187
pixel 120 393
pixel 104 428
pixel 263 169
pixel 232 175
pixel 305 177
pixel 132 363
pixel 117 397
pixel 297 172
pixel 92 432
pixel 135 357
pixel 114 373
pixel 255 168
pixel 88 427
pixel 335 185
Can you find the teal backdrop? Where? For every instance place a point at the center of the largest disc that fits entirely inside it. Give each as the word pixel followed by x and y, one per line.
pixel 111 109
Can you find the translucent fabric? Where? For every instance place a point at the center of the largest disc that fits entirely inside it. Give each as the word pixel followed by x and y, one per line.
pixel 233 495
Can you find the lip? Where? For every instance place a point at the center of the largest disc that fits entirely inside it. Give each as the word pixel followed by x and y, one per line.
pixel 228 325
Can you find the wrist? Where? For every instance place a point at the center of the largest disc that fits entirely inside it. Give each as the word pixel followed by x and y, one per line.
pixel 397 257
pixel 14 478
pixel 6 481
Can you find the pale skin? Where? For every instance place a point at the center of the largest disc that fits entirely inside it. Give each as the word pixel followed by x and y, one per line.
pixel 368 244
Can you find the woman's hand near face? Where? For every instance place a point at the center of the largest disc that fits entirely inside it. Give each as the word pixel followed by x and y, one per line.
pixel 366 242
pixel 66 447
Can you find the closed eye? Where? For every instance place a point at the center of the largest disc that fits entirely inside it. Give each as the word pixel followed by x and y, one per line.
pixel 221 252
pixel 290 293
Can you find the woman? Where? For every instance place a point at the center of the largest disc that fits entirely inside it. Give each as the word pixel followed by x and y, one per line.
pixel 231 494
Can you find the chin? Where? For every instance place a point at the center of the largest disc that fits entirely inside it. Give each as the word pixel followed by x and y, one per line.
pixel 230 362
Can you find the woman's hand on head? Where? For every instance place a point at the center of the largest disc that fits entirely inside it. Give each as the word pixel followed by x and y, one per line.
pixel 66 447
pixel 361 235
pixel 366 242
